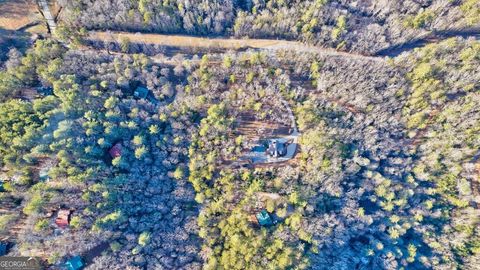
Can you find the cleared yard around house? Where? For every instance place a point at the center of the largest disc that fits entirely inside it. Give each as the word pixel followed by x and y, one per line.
pixel 256 132
pixel 254 129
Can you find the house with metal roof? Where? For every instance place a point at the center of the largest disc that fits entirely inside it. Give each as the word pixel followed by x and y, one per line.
pixel 264 218
pixel 144 93
pixel 63 218
pixel 75 263
pixel 141 92
pixel 276 149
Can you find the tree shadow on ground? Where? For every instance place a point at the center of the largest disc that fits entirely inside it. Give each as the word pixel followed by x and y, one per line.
pixel 12 39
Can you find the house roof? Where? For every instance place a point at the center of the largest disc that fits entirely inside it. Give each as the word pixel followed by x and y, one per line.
pixel 43 173
pixel 276 148
pixel 74 263
pixel 116 150
pixel 141 92
pixel 63 218
pixel 259 148
pixel 264 218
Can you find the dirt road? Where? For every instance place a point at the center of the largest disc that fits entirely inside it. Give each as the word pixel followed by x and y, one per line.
pixel 223 43
pixel 275 45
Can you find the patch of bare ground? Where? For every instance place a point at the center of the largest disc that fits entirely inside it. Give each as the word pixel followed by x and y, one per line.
pixel 27 94
pixel 16 14
pixel 254 130
pixel 183 41
pixel 224 43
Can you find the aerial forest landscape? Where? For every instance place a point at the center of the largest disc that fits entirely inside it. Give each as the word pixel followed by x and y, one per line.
pixel 240 134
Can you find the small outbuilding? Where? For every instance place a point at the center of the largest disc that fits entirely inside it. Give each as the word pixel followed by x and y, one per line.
pixel 276 149
pixel 63 218
pixel 43 174
pixel 264 218
pixel 141 92
pixel 116 150
pixel 74 263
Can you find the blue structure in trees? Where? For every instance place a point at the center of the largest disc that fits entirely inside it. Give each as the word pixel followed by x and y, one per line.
pixel 141 92
pixel 264 218
pixel 74 263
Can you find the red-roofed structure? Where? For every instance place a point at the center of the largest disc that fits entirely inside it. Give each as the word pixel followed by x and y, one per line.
pixel 116 150
pixel 63 218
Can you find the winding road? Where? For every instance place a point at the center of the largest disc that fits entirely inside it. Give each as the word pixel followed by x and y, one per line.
pixel 181 41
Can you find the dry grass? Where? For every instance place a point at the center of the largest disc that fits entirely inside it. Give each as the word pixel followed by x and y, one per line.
pixel 15 14
pixel 186 41
pixel 37 29
pixel 224 43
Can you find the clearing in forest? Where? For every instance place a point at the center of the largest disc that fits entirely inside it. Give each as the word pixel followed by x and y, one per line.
pixel 270 140
pixel 15 14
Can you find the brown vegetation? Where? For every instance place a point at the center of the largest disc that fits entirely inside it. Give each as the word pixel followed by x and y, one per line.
pixel 15 14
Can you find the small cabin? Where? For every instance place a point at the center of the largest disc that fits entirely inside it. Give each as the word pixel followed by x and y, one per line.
pixel 74 263
pixel 264 218
pixel 276 149
pixel 43 174
pixel 141 92
pixel 63 218
pixel 116 150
